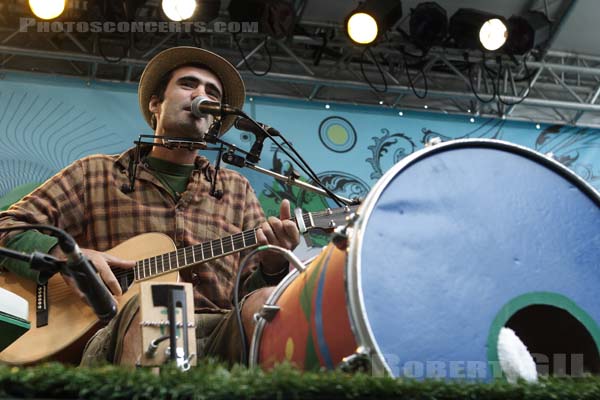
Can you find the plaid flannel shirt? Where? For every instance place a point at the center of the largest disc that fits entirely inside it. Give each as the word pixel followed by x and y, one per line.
pixel 86 199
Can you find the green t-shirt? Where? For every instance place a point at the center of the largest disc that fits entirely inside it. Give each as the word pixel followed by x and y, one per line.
pixel 175 177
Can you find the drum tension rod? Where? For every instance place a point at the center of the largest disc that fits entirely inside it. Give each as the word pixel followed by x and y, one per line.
pixel 267 312
pixel 359 361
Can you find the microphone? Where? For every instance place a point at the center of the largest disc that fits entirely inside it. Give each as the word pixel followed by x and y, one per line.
pixel 202 106
pixel 244 124
pixel 247 125
pixel 88 281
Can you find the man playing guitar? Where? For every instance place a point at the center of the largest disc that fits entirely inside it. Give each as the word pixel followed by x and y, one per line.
pixel 98 201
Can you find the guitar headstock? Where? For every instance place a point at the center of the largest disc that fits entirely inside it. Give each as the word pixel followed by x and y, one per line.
pixel 329 219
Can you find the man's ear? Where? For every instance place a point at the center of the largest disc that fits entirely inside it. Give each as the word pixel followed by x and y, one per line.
pixel 154 104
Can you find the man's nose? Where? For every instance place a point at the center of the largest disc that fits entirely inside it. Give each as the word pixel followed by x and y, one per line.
pixel 199 91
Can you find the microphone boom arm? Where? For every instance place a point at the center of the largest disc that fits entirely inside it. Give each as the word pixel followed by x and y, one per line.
pixel 295 182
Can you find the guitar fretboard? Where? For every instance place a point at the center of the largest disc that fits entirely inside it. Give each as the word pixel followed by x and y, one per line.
pixel 188 256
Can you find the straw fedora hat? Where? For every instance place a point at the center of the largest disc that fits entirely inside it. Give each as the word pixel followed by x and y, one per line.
pixel 167 60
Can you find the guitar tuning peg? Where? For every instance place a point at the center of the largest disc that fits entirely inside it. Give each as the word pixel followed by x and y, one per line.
pixel 351 219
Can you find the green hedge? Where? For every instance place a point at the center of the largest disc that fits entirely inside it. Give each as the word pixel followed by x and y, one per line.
pixel 213 381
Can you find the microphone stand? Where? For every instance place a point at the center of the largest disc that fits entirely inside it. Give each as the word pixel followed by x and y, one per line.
pixel 291 180
pixel 231 158
pixel 77 266
pixel 41 262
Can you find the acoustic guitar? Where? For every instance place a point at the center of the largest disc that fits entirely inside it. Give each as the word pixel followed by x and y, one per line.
pixel 71 322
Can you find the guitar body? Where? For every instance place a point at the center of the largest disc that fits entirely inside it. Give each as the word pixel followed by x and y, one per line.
pixel 71 321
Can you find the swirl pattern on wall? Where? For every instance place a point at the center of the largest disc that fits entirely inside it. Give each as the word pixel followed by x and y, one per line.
pixel 387 150
pixel 569 145
pixel 45 135
pixel 344 184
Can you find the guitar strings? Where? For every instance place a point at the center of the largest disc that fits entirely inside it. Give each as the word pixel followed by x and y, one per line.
pixel 237 239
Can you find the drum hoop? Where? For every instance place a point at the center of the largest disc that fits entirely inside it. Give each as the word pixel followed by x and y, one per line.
pixel 356 306
pixel 271 300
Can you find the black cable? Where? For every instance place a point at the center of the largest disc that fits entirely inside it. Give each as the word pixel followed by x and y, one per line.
pixel 527 91
pixel 312 174
pixel 362 70
pixel 500 126
pixel 494 125
pixel 218 194
pixel 141 49
pixel 270 63
pixel 97 40
pixel 479 127
pixel 411 83
pixel 472 86
pixel 308 171
pixel 236 306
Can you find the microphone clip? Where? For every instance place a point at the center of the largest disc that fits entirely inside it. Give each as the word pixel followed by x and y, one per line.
pixel 212 135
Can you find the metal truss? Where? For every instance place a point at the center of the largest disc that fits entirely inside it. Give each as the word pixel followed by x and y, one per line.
pixel 322 66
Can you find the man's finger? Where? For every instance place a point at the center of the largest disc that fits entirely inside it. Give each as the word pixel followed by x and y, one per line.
pixel 291 231
pixel 260 237
pixel 268 232
pixel 118 262
pixel 284 210
pixel 108 277
pixel 112 283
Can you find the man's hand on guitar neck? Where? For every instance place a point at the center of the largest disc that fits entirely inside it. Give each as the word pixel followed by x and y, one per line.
pixel 281 232
pixel 103 263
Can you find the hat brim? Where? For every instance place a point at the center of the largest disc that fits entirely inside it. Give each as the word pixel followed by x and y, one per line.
pixel 234 91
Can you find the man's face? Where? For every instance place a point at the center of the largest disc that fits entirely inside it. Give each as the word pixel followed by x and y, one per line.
pixel 173 114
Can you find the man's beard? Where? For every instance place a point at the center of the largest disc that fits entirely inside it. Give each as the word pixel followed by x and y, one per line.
pixel 190 129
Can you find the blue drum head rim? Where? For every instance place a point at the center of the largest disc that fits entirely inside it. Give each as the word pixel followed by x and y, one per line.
pixel 464 195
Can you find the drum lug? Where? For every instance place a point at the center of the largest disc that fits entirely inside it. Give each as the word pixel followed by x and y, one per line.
pixel 432 141
pixel 267 312
pixel 340 238
pixel 340 234
pixel 359 361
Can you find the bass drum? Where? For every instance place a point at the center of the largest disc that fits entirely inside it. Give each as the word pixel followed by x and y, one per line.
pixel 444 242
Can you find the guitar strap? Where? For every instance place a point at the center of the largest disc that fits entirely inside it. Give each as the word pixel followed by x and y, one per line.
pixel 41 305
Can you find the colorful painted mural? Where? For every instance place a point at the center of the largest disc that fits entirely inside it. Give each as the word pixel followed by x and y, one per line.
pixel 47 123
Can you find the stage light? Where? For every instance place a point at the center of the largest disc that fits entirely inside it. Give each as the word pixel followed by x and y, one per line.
pixel 428 24
pixel 179 10
pixel 493 34
pixel 275 18
pixel 527 31
pixel 362 28
pixel 370 19
pixel 472 29
pixel 47 9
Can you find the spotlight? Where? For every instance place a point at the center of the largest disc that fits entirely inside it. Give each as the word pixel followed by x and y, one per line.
pixel 367 22
pixel 276 18
pixel 428 24
pixel 472 29
pixel 179 10
pixel 527 31
pixel 47 9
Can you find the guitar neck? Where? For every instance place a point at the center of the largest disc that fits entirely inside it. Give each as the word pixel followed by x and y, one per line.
pixel 191 255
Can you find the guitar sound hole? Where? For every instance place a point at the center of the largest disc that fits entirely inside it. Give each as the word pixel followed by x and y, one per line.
pixel 125 277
